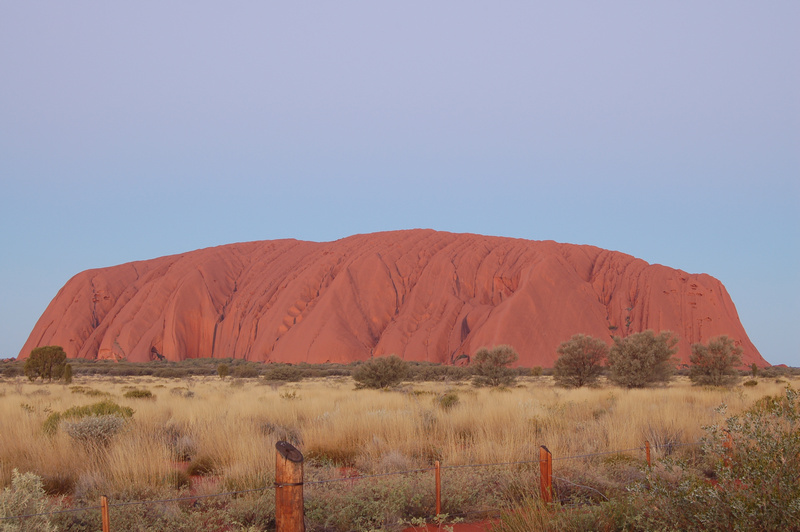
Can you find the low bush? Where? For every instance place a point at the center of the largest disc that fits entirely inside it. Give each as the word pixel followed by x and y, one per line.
pixel 642 359
pixel 94 431
pixel 103 408
pixel 429 372
pixel 448 400
pixel 580 361
pixel 715 364
pixel 490 367
pixel 284 373
pixel 86 390
pixel 171 373
pixel 381 372
pixel 26 496
pixel 139 394
pixel 365 506
pixel 245 371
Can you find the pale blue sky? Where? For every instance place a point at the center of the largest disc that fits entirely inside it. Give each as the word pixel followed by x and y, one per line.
pixel 668 131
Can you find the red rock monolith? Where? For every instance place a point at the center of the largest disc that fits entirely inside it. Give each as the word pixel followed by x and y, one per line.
pixel 421 294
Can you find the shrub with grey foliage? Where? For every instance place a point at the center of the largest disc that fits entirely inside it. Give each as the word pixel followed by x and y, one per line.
pixel 95 431
pixel 25 496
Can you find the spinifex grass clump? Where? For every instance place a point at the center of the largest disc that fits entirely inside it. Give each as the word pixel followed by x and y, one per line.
pixel 139 394
pixel 448 400
pixel 86 390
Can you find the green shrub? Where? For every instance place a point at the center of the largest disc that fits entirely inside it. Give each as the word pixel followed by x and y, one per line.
pixel 491 367
pixel 46 362
pixel 51 423
pixel 283 372
pixel 139 394
pixel 642 359
pixel 715 364
pixel 223 370
pixel 381 372
pixel 751 382
pixel 448 400
pixel 103 408
pixel 580 361
pixel 85 390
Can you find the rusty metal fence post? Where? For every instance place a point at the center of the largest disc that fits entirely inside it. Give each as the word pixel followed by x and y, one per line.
pixel 546 470
pixel 289 515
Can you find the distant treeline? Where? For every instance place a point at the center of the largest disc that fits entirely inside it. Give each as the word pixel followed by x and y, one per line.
pixel 237 368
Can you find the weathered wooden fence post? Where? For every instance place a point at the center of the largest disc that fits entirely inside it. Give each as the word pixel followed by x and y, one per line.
pixel 647 452
pixel 546 470
pixel 438 470
pixel 288 488
pixel 104 513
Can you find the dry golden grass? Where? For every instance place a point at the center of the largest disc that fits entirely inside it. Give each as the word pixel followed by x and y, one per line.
pixel 235 425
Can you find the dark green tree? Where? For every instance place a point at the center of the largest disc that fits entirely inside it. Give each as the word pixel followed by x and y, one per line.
pixel 491 366
pixel 715 364
pixel 223 370
pixel 580 361
pixel 46 362
pixel 380 372
pixel 642 359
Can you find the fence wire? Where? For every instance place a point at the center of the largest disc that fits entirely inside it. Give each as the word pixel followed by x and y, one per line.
pixel 349 479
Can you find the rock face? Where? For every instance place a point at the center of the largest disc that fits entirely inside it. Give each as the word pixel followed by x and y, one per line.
pixel 421 294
